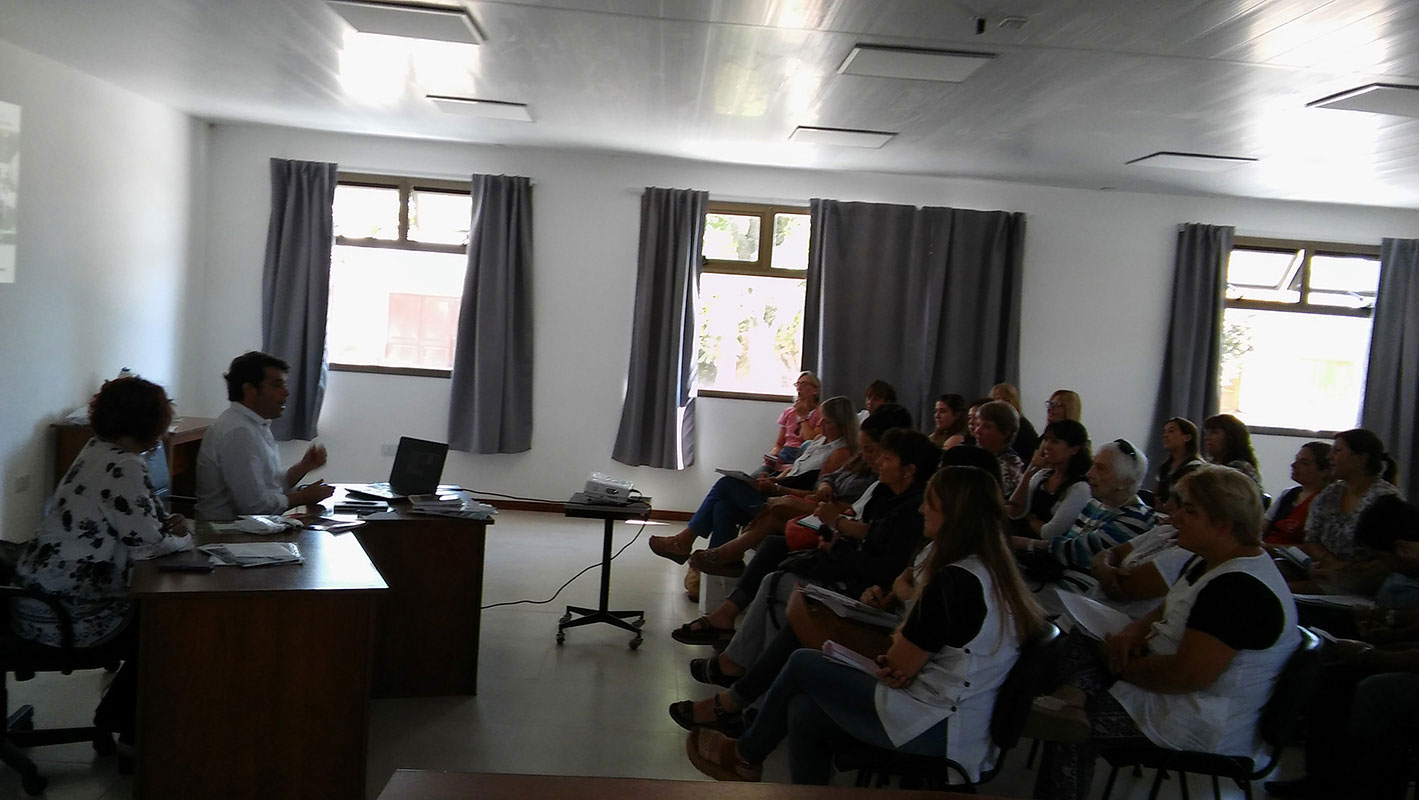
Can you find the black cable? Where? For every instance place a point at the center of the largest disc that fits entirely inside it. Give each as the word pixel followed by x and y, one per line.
pixel 516 497
pixel 639 531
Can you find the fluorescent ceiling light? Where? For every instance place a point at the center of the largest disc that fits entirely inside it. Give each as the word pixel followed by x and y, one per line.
pixel 912 63
pixel 1197 162
pixel 488 109
pixel 840 137
pixel 409 20
pixel 1378 98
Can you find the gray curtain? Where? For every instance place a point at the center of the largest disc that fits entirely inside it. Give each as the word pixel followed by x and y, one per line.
pixel 1392 383
pixel 658 415
pixel 295 286
pixel 1188 383
pixel 490 405
pixel 927 299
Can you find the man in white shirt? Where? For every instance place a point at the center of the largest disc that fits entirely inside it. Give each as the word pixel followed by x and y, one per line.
pixel 238 467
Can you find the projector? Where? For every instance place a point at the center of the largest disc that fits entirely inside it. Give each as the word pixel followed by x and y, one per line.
pixel 607 489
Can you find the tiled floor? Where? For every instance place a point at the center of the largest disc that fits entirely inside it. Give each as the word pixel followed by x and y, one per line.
pixel 589 707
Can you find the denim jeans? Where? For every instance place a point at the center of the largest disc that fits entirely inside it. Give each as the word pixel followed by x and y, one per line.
pixel 825 705
pixel 729 504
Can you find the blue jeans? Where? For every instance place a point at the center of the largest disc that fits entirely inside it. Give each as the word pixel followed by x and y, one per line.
pixel 825 704
pixel 729 504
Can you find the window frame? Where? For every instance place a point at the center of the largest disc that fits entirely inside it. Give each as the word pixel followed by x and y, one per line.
pixel 406 186
pixel 762 267
pixel 1308 248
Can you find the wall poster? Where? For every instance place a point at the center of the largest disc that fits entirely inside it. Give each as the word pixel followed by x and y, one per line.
pixel 9 188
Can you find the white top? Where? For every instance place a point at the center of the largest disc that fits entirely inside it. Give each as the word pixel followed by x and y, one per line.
pixel 239 468
pixel 957 684
pixel 815 452
pixel 1220 718
pixel 1067 505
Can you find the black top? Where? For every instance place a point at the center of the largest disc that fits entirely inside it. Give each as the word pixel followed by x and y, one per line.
pixel 949 611
pixel 893 536
pixel 1237 608
pixel 1026 440
pixel 1167 476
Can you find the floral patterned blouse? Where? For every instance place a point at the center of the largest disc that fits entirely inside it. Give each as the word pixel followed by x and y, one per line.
pixel 1329 525
pixel 103 515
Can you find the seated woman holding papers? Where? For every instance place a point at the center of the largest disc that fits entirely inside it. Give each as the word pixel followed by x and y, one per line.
pixel 1055 488
pixel 732 501
pixel 933 691
pixel 104 516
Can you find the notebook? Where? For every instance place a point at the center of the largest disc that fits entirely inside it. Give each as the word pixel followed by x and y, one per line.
pixel 418 466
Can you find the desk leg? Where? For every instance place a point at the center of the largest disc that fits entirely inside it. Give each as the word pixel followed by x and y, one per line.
pixel 591 616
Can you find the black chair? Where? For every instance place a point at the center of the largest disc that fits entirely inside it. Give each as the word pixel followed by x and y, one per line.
pixel 1294 688
pixel 24 659
pixel 1007 719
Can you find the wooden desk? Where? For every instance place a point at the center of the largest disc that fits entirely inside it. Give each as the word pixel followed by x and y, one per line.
pixel 407 784
pixel 255 683
pixel 183 439
pixel 426 634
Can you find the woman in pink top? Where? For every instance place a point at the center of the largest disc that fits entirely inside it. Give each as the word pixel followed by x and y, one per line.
pixel 797 424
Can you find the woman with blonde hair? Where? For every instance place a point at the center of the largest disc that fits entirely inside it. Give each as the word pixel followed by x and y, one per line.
pixel 1064 404
pixel 797 424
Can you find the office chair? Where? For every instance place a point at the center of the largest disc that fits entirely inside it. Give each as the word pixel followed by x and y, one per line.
pixel 1007 720
pixel 1294 687
pixel 24 659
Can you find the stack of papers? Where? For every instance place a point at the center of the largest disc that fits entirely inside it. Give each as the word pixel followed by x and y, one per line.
pixel 457 506
pixel 848 608
pixel 252 554
pixel 1095 618
pixel 849 657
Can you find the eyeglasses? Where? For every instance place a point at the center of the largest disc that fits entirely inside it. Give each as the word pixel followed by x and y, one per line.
pixel 1053 404
pixel 1126 448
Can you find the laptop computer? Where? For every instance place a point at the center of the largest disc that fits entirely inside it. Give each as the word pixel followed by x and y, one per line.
pixel 418 466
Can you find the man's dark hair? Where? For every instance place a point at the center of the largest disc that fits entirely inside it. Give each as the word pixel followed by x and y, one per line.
pixel 250 367
pixel 882 390
pixel 913 448
pixel 130 407
pixel 886 417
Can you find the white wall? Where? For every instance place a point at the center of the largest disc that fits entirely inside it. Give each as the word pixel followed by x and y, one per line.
pixel 108 181
pixel 1097 273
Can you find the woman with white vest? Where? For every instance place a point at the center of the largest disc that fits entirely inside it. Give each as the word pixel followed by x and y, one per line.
pixel 933 691
pixel 1194 673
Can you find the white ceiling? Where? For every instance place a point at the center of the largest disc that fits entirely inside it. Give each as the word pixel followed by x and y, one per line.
pixel 1083 87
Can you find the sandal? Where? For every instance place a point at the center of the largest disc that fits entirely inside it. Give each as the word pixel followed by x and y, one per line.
pixel 707 670
pixel 717 756
pixel 710 562
pixel 700 631
pixel 664 546
pixel 725 721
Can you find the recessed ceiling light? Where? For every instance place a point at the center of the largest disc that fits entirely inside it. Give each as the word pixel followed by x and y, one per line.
pixel 409 20
pixel 912 63
pixel 1378 98
pixel 488 109
pixel 840 137
pixel 1197 162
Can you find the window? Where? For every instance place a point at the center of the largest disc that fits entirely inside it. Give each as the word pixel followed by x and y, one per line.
pixel 1296 334
pixel 750 319
pixel 396 273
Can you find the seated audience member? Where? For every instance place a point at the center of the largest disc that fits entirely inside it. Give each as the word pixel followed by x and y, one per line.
pixel 1026 437
pixel 1180 442
pixel 104 516
pixel 1055 488
pixel 1362 472
pixel 238 466
pixel 858 554
pixel 995 428
pixel 948 418
pixel 1286 519
pixel 723 711
pixel 1113 515
pixel 842 488
pixel 732 502
pixel 935 687
pixel 878 392
pixel 1191 675
pixel 1228 442
pixel 797 424
pixel 968 437
pixel 1390 527
pixel 1064 404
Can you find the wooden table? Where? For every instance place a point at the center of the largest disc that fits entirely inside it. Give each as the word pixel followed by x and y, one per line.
pixel 255 683
pixel 409 784
pixel 181 442
pixel 426 634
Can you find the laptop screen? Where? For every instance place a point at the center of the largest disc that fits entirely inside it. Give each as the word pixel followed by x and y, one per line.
pixel 418 466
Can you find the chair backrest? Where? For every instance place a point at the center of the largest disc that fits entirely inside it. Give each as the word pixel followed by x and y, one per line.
pixel 1294 687
pixel 1022 685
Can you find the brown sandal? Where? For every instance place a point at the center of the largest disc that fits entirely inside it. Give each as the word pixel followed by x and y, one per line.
pixel 713 562
pixel 717 756
pixel 664 547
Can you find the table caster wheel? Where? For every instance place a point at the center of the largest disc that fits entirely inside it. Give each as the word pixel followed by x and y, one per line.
pixel 636 643
pixel 561 638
